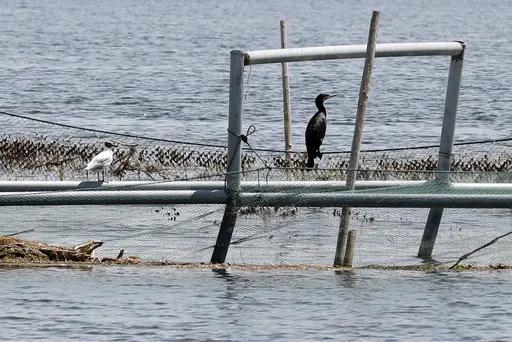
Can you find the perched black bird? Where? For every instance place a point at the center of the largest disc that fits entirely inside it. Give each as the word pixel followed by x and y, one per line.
pixel 315 132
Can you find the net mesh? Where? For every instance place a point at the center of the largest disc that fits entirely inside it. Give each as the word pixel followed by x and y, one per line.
pixel 263 235
pixel 285 235
pixel 36 150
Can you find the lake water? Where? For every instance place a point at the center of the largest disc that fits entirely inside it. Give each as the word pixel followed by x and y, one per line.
pixel 161 69
pixel 163 304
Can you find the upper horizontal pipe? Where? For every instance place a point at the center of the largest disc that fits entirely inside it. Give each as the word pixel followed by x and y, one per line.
pixel 352 51
pixel 21 186
pixel 249 186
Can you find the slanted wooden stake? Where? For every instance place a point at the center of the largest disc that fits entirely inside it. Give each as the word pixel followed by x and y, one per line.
pixel 351 245
pixel 357 140
pixel 286 95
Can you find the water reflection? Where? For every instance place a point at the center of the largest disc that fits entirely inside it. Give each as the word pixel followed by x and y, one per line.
pixel 346 278
pixel 235 287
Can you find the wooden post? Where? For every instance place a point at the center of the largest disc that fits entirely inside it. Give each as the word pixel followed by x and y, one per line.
pixel 286 95
pixel 357 139
pixel 351 245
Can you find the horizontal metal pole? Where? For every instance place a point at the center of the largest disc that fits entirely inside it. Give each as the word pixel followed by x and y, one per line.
pixel 13 186
pixel 247 186
pixel 352 51
pixel 108 197
pixel 484 187
pixel 20 186
pixel 411 200
pixel 379 198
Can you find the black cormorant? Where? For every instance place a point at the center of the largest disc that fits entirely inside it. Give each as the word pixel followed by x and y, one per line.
pixel 315 132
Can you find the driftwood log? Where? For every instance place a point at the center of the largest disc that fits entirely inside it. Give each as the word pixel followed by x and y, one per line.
pixel 16 251
pixel 13 249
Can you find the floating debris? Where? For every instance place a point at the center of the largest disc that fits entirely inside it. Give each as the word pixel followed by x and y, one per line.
pixel 13 249
pixel 19 251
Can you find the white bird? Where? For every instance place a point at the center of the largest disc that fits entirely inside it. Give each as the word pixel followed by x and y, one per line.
pixel 101 161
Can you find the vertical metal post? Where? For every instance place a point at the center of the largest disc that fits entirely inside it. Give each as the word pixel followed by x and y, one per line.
pixel 357 138
pixel 286 95
pixel 445 153
pixel 234 160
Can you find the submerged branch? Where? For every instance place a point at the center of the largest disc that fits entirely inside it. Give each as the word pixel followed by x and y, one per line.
pixel 465 256
pixel 18 233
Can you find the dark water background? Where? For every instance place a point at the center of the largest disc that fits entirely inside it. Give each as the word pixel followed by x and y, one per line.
pixel 160 68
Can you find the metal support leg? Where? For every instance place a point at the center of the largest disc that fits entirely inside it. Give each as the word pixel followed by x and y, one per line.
pixel 234 160
pixel 445 153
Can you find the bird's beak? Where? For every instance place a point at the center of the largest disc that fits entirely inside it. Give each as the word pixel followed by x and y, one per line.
pixel 330 96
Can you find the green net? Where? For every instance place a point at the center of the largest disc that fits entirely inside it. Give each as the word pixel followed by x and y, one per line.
pixel 284 234
pixel 38 150
pixel 262 236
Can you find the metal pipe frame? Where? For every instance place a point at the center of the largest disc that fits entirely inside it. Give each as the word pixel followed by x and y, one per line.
pixel 445 152
pixel 234 156
pixel 453 49
pixel 352 51
pixel 251 186
pixel 414 198
pixel 233 177
pixel 247 186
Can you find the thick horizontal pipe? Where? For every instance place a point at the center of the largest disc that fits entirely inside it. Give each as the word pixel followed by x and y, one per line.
pixel 299 199
pixel 15 186
pixel 352 51
pixel 484 187
pixel 108 197
pixel 411 200
pixel 247 186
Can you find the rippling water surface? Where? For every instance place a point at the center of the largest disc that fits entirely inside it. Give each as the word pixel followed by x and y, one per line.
pixel 161 68
pixel 132 304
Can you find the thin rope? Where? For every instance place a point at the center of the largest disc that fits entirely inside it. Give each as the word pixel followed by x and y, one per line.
pixel 384 170
pixel 136 136
pixel 250 131
pixel 127 135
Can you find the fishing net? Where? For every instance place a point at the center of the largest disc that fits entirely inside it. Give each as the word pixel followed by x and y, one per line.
pixel 266 236
pixel 291 234
pixel 41 150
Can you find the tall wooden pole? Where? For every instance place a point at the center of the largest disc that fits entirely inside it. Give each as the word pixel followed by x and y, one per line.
pixel 286 95
pixel 357 140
